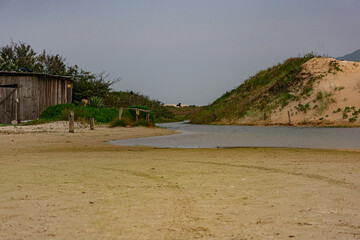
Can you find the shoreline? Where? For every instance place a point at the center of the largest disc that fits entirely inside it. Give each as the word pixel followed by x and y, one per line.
pixel 74 185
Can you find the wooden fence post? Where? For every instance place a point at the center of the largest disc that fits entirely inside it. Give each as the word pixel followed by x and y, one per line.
pixel 265 113
pixel 92 124
pixel 148 117
pixel 289 118
pixel 137 114
pixel 71 121
pixel 120 113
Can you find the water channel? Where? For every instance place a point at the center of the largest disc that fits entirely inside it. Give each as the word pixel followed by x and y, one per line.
pixel 221 136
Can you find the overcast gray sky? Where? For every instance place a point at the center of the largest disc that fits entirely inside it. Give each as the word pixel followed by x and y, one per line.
pixel 188 51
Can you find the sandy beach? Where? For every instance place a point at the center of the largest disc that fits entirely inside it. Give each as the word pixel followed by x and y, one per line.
pixel 58 185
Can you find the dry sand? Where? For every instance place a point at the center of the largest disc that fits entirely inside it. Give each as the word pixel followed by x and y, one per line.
pixel 57 185
pixel 339 89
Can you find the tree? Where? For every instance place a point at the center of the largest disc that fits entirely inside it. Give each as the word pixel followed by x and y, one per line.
pixel 88 85
pixel 52 64
pixel 17 57
pixel 7 59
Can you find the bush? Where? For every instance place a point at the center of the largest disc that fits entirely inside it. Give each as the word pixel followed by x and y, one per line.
pixel 61 112
pixel 116 122
pixel 96 102
pixel 144 123
pixel 126 122
pixel 101 115
pixel 54 112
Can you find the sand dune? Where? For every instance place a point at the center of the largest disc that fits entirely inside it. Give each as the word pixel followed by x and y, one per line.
pixel 334 93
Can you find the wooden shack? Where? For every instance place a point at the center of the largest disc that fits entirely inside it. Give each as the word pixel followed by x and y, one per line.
pixel 23 95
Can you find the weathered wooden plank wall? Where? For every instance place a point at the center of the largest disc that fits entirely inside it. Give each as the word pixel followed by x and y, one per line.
pixel 35 93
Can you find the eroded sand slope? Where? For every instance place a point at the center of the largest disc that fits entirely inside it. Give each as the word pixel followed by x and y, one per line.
pixel 334 97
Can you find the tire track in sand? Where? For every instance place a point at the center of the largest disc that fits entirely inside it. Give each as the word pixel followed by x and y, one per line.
pixel 179 227
pixel 329 180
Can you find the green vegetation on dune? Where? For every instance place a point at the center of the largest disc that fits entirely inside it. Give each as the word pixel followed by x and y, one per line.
pixel 260 93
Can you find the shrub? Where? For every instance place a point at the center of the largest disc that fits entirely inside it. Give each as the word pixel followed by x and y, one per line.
pixel 54 112
pixel 302 108
pixel 334 67
pixel 61 112
pixel 116 122
pixel 319 95
pixel 144 123
pixel 96 102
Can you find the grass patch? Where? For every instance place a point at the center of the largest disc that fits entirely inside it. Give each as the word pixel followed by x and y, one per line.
pixel 34 122
pixel 334 67
pixel 302 108
pixel 126 122
pixel 116 122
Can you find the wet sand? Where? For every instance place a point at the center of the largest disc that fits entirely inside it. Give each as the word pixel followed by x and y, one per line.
pixel 57 185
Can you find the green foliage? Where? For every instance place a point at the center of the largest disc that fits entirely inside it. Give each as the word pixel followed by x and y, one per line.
pixel 61 112
pixel 53 112
pixel 334 67
pixel 338 110
pixel 180 114
pixel 302 108
pixel 319 95
pixel 87 85
pixel 124 122
pixel 347 111
pixel 34 122
pixel 205 116
pixel 96 102
pixel 143 123
pixel 339 88
pixel 17 57
pixel 308 87
pixel 284 99
pixel 127 122
pixel 20 57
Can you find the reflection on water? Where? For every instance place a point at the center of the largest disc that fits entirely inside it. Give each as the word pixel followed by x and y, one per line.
pixel 212 136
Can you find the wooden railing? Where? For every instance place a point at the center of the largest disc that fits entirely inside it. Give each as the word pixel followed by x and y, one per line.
pixel 138 110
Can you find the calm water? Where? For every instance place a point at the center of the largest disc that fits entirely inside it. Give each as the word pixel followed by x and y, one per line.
pixel 213 136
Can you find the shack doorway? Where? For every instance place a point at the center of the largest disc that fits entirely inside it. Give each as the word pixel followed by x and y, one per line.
pixel 9 103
